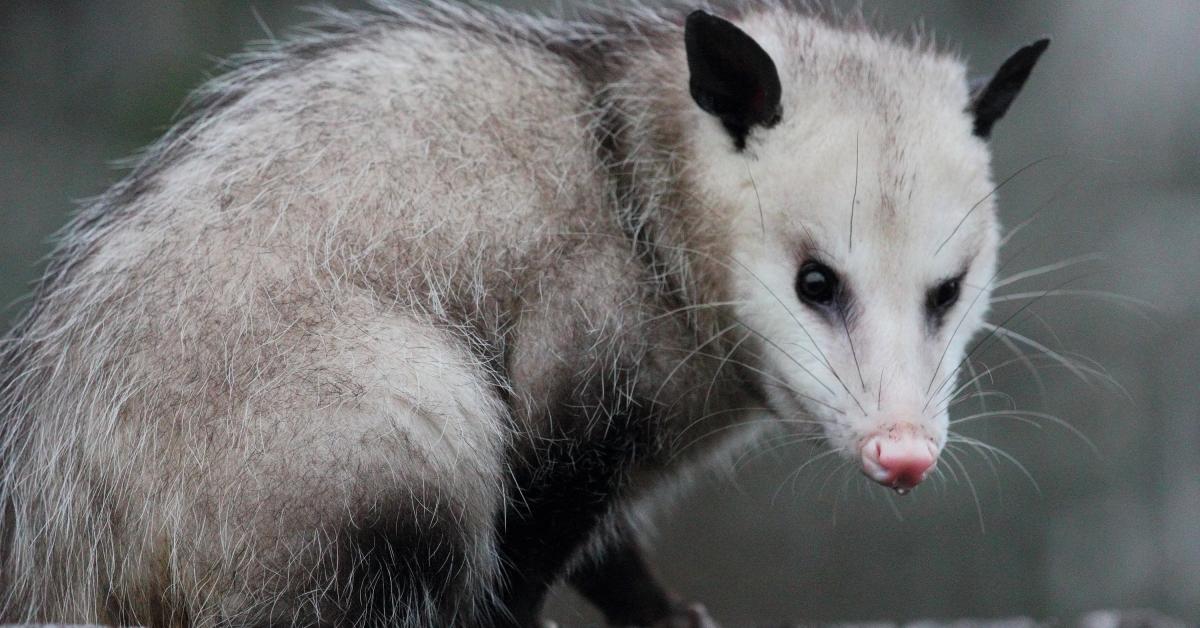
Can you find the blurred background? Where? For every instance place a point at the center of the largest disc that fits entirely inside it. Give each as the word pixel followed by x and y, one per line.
pixel 1114 105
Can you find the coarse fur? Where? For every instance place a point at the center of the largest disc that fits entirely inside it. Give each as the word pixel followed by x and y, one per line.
pixel 415 306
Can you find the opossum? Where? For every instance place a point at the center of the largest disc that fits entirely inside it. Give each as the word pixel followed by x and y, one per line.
pixel 412 312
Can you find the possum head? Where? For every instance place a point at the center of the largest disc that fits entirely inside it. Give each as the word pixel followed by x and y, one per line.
pixel 852 176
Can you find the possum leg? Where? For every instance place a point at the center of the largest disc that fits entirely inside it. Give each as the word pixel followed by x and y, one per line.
pixel 561 495
pixel 623 586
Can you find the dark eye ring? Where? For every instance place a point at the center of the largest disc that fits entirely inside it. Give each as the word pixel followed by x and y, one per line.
pixel 817 284
pixel 944 296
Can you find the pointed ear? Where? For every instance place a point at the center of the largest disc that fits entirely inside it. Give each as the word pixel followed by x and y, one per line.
pixel 732 77
pixel 992 98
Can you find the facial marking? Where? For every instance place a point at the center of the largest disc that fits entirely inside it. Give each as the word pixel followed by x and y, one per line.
pixel 864 225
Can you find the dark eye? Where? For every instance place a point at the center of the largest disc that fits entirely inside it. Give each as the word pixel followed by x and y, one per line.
pixel 944 296
pixel 817 284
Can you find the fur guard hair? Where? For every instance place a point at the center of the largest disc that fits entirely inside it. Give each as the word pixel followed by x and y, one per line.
pixel 403 321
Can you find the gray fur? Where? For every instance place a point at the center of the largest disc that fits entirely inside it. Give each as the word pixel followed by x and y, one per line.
pixel 348 285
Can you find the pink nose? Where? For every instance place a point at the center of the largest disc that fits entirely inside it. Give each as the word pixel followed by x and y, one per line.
pixel 899 459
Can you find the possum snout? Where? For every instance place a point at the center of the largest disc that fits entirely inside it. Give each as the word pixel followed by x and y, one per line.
pixel 899 456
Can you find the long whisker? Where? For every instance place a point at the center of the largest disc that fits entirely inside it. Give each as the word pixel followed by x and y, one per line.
pixel 786 354
pixel 699 348
pixel 950 341
pixel 781 383
pixel 794 478
pixel 958 327
pixel 1012 233
pixel 970 485
pixel 779 441
pixel 830 476
pixel 879 392
pixel 951 472
pixel 1026 417
pixel 769 420
pixel 1081 371
pixel 854 196
pixel 823 358
pixel 809 398
pixel 986 394
pixel 985 373
pixel 712 384
pixel 937 479
pixel 735 425
pixel 978 386
pixel 772 445
pixel 990 335
pixel 1058 191
pixel 989 458
pixel 689 308
pixel 999 452
pixel 1098 294
pixel 820 355
pixel 762 221
pixel 1027 361
pixel 837 500
pixel 1003 183
pixel 854 354
pixel 1015 415
pixel 796 473
pixel 890 499
pixel 1049 268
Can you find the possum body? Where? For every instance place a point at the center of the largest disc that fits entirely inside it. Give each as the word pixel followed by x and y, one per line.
pixel 401 324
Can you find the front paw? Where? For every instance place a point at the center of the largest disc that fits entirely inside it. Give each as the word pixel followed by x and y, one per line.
pixel 690 616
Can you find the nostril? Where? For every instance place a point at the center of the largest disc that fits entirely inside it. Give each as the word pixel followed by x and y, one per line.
pixel 898 462
pixel 906 467
pixel 909 474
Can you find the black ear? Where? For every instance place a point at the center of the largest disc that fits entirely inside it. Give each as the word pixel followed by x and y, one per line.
pixel 732 77
pixel 990 102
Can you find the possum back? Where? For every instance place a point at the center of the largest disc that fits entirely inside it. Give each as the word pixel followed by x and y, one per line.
pixel 296 285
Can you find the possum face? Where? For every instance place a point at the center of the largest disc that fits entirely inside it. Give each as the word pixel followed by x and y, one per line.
pixel 857 195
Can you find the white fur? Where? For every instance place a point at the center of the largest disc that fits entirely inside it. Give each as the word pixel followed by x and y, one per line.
pixel 879 124
pixel 293 311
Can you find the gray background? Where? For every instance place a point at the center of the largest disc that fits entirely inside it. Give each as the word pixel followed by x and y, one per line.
pixel 1114 102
